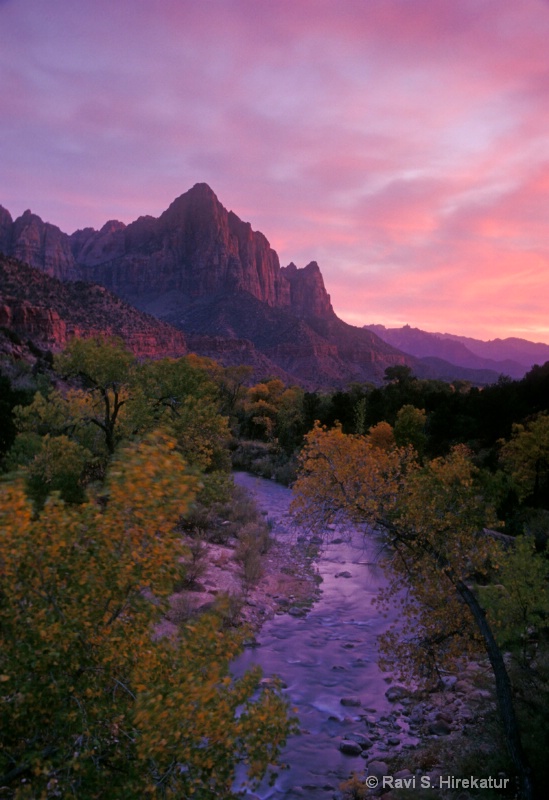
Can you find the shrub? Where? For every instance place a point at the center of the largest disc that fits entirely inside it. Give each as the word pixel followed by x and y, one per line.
pixel 229 608
pixel 253 542
pixel 195 565
pixel 181 610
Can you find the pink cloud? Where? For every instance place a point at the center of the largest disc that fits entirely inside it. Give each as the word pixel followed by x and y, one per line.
pixel 400 144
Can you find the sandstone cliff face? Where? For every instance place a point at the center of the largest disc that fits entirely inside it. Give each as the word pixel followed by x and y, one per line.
pixel 97 247
pixel 308 296
pixel 42 325
pixel 6 224
pixel 43 246
pixel 196 248
pixel 50 313
pixel 201 268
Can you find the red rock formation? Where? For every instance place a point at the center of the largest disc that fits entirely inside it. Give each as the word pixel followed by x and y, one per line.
pixel 207 272
pixel 6 224
pixel 50 313
pixel 43 246
pixel 196 248
pixel 308 296
pixel 42 325
pixel 98 247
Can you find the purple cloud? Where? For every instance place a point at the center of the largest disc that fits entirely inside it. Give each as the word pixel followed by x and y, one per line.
pixel 401 145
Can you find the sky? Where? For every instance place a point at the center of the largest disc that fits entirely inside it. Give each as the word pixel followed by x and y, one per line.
pixel 402 144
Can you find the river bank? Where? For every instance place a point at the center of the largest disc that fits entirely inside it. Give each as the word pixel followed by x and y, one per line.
pixel 313 624
pixel 355 718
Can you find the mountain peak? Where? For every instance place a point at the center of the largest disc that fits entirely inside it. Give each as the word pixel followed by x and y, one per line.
pixel 308 295
pixel 203 189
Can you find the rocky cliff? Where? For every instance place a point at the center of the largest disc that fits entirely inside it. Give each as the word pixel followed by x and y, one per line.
pixel 195 249
pixel 38 307
pixel 206 272
pixel 43 246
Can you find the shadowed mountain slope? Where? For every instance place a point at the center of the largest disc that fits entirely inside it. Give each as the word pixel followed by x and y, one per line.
pixel 49 312
pixel 206 272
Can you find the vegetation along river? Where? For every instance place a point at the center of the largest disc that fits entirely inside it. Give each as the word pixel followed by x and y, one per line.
pixel 325 657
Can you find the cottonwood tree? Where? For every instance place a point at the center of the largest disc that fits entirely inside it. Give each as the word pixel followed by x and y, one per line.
pixel 105 368
pixel 112 399
pixel 526 458
pixel 93 703
pixel 433 519
pixel 181 396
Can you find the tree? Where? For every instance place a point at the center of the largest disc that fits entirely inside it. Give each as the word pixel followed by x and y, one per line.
pixel 410 428
pixel 181 396
pixel 272 411
pixel 261 408
pixel 9 398
pixel 58 466
pixel 382 436
pixel 93 703
pixel 526 457
pixel 113 399
pixel 433 518
pixel 518 610
pixel 104 366
pixel 399 373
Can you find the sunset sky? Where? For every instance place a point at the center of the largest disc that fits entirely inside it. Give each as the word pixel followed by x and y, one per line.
pixel 402 144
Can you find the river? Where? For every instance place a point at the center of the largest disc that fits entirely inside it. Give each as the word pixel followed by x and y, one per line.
pixel 326 656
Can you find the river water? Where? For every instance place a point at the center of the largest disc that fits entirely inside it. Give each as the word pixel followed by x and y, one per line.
pixel 325 656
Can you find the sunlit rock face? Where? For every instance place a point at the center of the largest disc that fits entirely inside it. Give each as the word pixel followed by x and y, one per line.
pixel 308 296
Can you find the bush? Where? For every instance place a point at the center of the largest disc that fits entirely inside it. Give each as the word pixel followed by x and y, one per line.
pixel 218 517
pixel 229 609
pixel 181 610
pixel 354 788
pixel 253 542
pixel 195 565
pixel 252 569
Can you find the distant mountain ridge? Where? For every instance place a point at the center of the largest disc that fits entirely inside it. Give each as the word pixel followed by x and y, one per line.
pixel 512 356
pixel 521 351
pixel 204 271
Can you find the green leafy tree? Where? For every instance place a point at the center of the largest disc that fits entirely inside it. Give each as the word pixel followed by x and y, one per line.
pixel 399 373
pixel 518 609
pixel 181 396
pixel 105 368
pixel 113 399
pixel 410 428
pixel 273 412
pixel 58 466
pixel 526 458
pixel 261 408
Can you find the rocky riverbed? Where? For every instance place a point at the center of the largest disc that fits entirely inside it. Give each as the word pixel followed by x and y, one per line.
pixel 353 717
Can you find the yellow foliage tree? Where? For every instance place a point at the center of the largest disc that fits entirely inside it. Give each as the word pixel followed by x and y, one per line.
pixel 93 704
pixel 433 520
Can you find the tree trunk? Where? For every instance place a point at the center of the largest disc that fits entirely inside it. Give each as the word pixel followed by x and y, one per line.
pixel 503 691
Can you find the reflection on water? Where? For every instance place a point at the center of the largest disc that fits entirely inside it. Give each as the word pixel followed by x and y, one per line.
pixel 323 657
